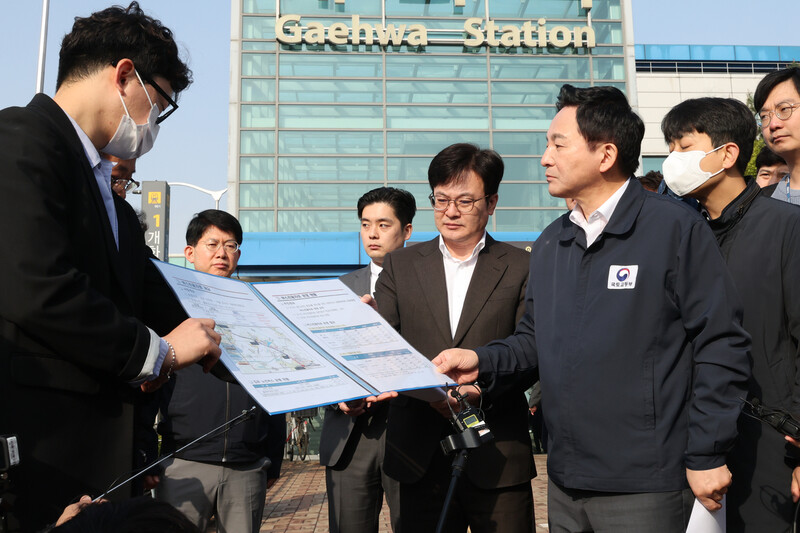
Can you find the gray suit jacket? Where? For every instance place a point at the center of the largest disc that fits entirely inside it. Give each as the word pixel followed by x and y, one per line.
pixel 337 426
pixel 412 296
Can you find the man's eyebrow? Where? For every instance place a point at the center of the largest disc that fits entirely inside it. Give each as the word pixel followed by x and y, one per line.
pixel 557 136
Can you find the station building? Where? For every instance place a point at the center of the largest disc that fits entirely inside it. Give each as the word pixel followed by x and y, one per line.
pixel 331 98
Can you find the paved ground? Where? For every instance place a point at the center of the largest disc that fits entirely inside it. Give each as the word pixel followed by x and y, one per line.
pixel 297 502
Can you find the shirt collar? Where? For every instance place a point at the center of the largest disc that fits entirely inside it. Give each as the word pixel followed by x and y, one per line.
pixel 91 152
pixel 603 212
pixel 375 270
pixel 475 251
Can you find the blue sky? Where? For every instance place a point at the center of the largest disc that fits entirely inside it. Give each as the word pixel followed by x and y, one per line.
pixel 192 145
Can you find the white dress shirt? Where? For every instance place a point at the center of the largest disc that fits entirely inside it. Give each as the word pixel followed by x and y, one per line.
pixel 457 275
pixel 374 272
pixel 598 220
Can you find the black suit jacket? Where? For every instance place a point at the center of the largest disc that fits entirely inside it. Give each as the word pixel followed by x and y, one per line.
pixel 337 426
pixel 72 313
pixel 412 295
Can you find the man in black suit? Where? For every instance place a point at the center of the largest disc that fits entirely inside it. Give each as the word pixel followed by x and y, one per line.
pixel 461 289
pixel 84 315
pixel 353 436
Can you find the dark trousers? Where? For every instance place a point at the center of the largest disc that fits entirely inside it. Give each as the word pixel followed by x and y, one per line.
pixel 357 483
pixel 584 511
pixel 506 510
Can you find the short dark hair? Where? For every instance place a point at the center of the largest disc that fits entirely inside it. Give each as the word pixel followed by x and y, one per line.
pixel 105 37
pixel 453 164
pixel 772 79
pixel 605 116
pixel 768 158
pixel 651 180
pixel 401 201
pixel 212 217
pixel 724 120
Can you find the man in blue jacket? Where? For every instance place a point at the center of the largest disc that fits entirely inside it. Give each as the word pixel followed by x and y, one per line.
pixel 634 327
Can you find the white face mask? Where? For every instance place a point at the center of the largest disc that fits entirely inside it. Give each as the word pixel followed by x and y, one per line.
pixel 132 140
pixel 682 171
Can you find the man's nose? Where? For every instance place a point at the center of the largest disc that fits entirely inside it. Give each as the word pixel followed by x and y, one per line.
pixel 452 211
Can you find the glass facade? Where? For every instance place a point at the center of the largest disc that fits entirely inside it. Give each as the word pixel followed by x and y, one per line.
pixel 336 97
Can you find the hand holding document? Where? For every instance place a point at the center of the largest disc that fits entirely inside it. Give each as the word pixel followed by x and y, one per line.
pixel 704 521
pixel 295 345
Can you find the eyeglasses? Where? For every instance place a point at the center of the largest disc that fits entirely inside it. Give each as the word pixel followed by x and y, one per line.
pixel 783 111
pixel 464 205
pixel 127 184
pixel 213 246
pixel 171 105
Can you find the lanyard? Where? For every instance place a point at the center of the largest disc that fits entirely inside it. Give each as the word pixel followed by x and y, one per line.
pixel 788 181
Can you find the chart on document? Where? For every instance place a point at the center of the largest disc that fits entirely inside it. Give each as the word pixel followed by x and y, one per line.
pixel 301 344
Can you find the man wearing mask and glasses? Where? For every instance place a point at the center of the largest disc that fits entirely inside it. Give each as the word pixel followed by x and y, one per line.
pixel 84 314
pixel 461 289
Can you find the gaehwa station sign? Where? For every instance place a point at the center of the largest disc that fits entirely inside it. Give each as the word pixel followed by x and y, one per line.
pixel 292 29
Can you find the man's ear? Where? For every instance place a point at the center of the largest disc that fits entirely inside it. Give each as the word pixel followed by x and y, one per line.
pixel 124 73
pixel 609 154
pixel 188 253
pixel 731 151
pixel 407 232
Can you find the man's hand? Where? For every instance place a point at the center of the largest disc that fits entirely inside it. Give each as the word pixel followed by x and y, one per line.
pixel 709 486
pixel 150 481
pixel 70 511
pixel 472 393
pixel 194 340
pixel 791 441
pixel 382 397
pixel 353 407
pixel 370 301
pixel 796 484
pixel 460 365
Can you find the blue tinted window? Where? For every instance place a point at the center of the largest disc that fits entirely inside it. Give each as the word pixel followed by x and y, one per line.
pixel 258 27
pixel 436 92
pixel 258 90
pixel 529 67
pixel 305 220
pixel 525 220
pixel 258 64
pixel 330 168
pixel 404 66
pixel 522 118
pixel 321 194
pixel 609 68
pixel 408 168
pixel 258 116
pixel 430 143
pixel 701 52
pixel 256 168
pixel 527 195
pixel 537 9
pixel 330 117
pixel 437 118
pixel 257 142
pixel 520 143
pixel 652 163
pixel 256 195
pixel 608 32
pixel 329 7
pixel 606 9
pixel 435 8
pixel 258 6
pixel 257 221
pixel 324 91
pixel 257 45
pixel 523 168
pixel 330 142
pixel 522 92
pixel 331 65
